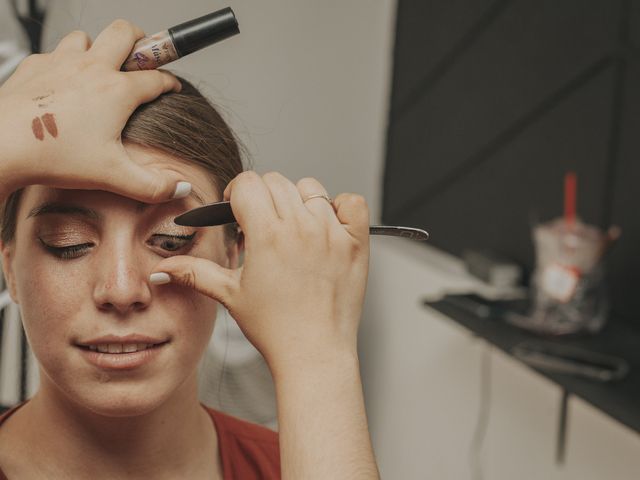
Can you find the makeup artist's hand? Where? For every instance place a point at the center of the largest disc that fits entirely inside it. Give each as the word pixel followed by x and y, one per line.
pixel 62 113
pixel 301 288
pixel 298 299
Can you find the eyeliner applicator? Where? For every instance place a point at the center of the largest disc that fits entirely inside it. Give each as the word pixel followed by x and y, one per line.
pixel 156 50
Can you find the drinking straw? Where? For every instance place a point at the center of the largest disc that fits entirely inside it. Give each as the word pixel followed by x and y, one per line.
pixel 570 198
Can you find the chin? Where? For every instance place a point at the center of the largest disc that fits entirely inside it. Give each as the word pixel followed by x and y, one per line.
pixel 124 407
pixel 121 400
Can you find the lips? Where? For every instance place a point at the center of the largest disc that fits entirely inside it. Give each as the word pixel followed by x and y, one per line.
pixel 119 343
pixel 120 347
pixel 128 352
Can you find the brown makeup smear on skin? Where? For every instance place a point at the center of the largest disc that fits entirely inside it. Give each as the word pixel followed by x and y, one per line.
pixel 36 126
pixel 49 121
pixel 50 124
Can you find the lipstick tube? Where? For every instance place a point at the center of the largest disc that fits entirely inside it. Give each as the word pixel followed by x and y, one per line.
pixel 156 50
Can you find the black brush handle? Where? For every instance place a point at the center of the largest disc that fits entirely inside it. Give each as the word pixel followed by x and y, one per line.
pixel 220 213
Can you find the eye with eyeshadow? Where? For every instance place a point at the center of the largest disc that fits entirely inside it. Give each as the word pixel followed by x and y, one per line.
pixel 164 244
pixel 68 252
pixel 171 244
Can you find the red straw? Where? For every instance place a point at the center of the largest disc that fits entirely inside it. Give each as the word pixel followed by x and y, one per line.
pixel 570 198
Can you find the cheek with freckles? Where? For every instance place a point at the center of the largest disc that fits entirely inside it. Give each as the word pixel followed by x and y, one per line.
pixel 193 314
pixel 192 318
pixel 49 297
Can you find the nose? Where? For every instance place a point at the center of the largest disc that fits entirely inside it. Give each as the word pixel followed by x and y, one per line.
pixel 121 285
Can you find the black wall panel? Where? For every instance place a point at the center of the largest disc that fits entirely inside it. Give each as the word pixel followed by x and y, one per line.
pixel 494 101
pixel 634 23
pixel 428 32
pixel 624 262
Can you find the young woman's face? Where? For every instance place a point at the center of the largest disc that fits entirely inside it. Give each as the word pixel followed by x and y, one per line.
pixel 79 268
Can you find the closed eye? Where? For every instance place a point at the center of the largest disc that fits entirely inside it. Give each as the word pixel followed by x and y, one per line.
pixel 67 252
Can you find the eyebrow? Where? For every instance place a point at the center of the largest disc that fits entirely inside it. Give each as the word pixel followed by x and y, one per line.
pixel 52 208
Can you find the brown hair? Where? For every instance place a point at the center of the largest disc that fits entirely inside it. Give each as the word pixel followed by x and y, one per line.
pixel 185 125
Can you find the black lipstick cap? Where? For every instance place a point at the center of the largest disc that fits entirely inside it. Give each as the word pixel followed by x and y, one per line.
pixel 204 31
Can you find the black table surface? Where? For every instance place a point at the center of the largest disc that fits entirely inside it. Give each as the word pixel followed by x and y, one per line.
pixel 619 399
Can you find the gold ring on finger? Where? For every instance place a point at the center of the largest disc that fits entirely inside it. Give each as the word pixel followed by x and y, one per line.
pixel 318 195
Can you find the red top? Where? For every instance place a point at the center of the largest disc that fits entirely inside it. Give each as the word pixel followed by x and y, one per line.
pixel 248 451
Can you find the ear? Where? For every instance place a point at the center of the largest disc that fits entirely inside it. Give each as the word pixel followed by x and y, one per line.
pixel 235 252
pixel 7 269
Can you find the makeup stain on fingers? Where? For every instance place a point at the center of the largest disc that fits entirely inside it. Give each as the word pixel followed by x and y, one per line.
pixel 48 121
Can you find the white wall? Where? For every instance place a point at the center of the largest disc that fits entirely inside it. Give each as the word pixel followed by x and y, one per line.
pixel 304 83
pixel 423 383
pixel 307 83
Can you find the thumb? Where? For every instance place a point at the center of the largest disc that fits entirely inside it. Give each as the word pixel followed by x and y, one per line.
pixel 202 275
pixel 352 211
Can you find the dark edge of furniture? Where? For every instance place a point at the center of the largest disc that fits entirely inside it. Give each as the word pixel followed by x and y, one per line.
pixel 620 400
